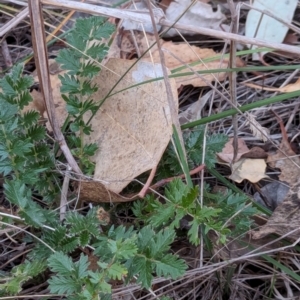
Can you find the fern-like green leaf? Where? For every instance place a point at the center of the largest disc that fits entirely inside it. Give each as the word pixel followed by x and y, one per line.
pixel 81 267
pixel 64 285
pixel 60 263
pixel 33 214
pixel 69 60
pixel 17 193
pixel 144 269
pixel 170 266
pixel 116 271
pixel 70 84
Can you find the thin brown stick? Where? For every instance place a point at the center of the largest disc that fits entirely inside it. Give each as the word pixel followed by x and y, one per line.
pixel 232 76
pixel 14 21
pixel 143 192
pixel 159 19
pixel 41 60
pixel 170 96
pixel 167 180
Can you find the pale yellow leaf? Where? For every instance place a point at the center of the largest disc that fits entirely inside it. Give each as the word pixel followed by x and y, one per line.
pixel 250 169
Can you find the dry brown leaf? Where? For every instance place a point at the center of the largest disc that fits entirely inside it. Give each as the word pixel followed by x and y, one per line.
pixel 293 87
pixel 60 105
pixel 258 131
pixel 285 218
pixel 255 152
pixel 228 152
pixel 37 103
pixel 193 112
pixel 135 42
pixel 177 55
pixel 250 169
pixel 95 191
pixel 286 160
pixel 133 127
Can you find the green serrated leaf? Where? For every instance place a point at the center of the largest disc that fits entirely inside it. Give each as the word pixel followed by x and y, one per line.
pixel 5 167
pixel 24 99
pixel 74 127
pixel 162 241
pixel 88 88
pixel 170 266
pixel 24 82
pixel 97 51
pixel 61 263
pixel 21 147
pixel 190 197
pixel 193 233
pixel 89 69
pixel 81 267
pixel 144 270
pixel 90 149
pixel 104 31
pixel 8 87
pixel 36 133
pixel 17 193
pixel 64 285
pixel 69 60
pixel 30 118
pixel 16 71
pixel 117 271
pixel 33 214
pixel 69 84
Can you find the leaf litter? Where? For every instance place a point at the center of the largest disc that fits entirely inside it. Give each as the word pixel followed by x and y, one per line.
pixel 219 106
pixel 285 220
pixel 252 169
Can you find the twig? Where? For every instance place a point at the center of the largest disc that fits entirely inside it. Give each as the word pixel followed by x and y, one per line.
pixel 159 19
pixel 143 192
pixel 170 96
pixel 167 180
pixel 64 193
pixel 232 76
pixel 41 60
pixel 14 21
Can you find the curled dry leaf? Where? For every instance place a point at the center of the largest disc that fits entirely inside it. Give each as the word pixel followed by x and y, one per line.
pixel 193 112
pixel 286 160
pixel 273 194
pixel 133 127
pixel 285 220
pixel 261 133
pixel 38 101
pixel 228 152
pixel 255 152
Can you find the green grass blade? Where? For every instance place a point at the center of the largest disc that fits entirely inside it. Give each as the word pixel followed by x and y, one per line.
pixel 182 158
pixel 233 111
